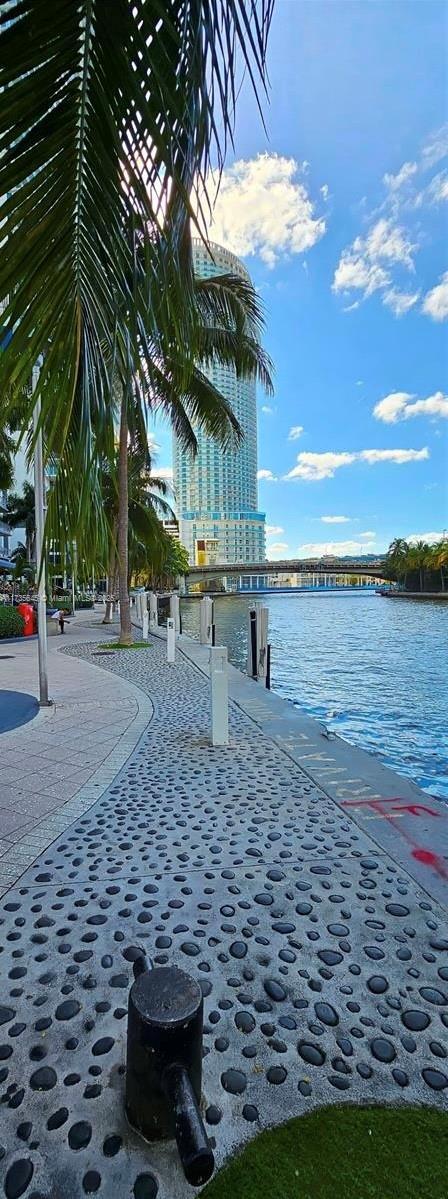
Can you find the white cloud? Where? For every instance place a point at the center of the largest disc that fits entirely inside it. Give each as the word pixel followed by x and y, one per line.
pixel 395 182
pixel 266 475
pixel 365 265
pixel 314 467
pixel 336 520
pixel 295 432
pixel 400 301
pixel 277 548
pixel 436 147
pixel 369 534
pixel 325 191
pixel 334 549
pixel 266 408
pixel 437 191
pixel 274 530
pixel 263 208
pixel 164 472
pixel 399 405
pixel 397 456
pixel 435 303
pixel 431 538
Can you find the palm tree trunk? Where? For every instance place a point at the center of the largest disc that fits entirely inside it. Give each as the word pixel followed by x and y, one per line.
pixel 126 637
pixel 421 580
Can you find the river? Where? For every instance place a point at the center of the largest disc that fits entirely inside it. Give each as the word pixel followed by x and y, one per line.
pixel 373 670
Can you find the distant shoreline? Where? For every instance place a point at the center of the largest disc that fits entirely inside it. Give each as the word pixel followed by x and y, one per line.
pixel 421 595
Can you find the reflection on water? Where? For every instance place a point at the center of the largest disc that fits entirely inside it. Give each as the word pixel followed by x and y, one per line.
pixel 374 669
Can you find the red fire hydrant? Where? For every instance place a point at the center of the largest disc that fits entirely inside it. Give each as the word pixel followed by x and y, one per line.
pixel 26 610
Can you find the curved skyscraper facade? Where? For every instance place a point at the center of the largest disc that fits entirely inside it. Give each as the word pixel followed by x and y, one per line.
pixel 216 490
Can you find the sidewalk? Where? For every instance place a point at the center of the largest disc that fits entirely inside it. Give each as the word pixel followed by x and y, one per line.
pixel 322 961
pixel 55 766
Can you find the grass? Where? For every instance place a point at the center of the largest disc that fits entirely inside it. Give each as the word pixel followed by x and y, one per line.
pixel 112 645
pixel 343 1153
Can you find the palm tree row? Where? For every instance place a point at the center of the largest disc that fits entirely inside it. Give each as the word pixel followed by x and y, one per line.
pixel 418 565
pixel 109 120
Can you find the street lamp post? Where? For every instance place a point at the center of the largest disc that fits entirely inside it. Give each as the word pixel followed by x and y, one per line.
pixel 39 499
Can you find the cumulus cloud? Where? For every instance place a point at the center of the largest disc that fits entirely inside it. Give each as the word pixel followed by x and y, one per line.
pixel 400 302
pixel 431 538
pixel 263 207
pixel 335 520
pixel 334 549
pixel 397 456
pixel 435 303
pixel 277 548
pixel 370 535
pixel 376 260
pixel 295 432
pixel 274 530
pixel 365 265
pixel 395 182
pixel 267 475
pixel 399 405
pixel 314 467
pixel 266 408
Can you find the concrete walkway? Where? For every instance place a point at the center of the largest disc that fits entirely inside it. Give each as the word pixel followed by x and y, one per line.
pixel 323 961
pixel 54 766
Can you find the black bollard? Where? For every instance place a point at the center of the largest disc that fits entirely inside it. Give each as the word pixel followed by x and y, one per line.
pixel 164 1065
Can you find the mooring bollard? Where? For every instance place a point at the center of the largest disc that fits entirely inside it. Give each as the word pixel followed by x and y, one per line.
pixel 219 695
pixel 258 651
pixel 164 1064
pixel 175 612
pixel 170 640
pixel 145 624
pixel 153 610
pixel 206 615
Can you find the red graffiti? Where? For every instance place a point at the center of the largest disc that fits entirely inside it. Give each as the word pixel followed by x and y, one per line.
pixel 431 859
pixel 414 809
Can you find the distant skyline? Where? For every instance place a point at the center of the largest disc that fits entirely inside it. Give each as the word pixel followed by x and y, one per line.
pixel 340 216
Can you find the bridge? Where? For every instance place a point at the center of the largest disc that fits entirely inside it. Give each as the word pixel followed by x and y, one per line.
pixel 288 566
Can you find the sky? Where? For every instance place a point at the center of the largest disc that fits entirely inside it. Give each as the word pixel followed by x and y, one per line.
pixel 338 210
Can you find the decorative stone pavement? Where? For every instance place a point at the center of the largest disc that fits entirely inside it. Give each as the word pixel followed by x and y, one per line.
pixel 323 965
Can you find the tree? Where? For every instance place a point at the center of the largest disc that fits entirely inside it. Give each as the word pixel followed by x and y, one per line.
pixel 20 514
pixel 110 115
pixel 417 559
pixel 438 559
pixel 397 559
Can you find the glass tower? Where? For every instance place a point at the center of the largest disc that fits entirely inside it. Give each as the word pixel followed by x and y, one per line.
pixel 216 490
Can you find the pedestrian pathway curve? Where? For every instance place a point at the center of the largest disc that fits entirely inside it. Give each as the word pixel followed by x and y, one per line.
pixel 323 965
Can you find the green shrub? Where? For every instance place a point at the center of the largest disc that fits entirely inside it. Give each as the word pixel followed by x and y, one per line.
pixel 84 603
pixel 63 604
pixel 11 622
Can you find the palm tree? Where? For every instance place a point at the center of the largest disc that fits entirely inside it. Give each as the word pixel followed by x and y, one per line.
pixel 20 514
pixel 418 560
pixel 109 117
pixel 439 558
pixel 397 559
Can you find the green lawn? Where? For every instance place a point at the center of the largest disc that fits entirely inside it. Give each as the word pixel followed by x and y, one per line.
pixel 343 1153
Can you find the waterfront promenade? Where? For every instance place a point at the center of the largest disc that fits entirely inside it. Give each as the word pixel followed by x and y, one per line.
pixel 303 884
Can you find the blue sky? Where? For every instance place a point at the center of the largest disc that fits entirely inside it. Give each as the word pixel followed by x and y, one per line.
pixel 339 212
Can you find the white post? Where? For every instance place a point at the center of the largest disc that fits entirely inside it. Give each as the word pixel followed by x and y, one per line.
pixel 145 623
pixel 39 499
pixel 170 640
pixel 219 694
pixel 175 612
pixel 153 611
pixel 206 621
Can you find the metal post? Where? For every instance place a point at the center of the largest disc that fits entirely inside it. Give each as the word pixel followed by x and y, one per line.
pixel 262 615
pixel 206 620
pixel 170 640
pixel 39 500
pixel 219 693
pixel 73 575
pixel 175 612
pixel 251 668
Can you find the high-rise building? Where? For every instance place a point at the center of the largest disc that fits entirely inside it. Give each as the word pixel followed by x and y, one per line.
pixel 216 490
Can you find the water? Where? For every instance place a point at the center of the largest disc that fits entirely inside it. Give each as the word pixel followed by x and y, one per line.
pixel 373 669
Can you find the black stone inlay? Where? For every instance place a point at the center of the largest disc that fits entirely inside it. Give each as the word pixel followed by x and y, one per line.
pixel 18 1178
